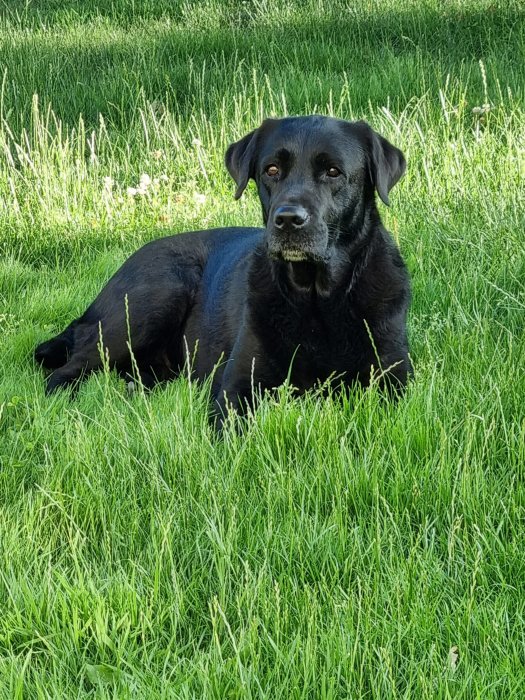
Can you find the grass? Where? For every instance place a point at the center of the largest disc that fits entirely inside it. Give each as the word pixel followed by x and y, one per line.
pixel 332 547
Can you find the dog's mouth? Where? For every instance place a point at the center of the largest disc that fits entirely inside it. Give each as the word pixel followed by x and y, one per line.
pixel 294 255
pixel 306 246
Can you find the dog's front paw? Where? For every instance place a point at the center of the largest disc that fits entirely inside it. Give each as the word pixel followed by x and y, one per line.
pixel 222 407
pixel 60 380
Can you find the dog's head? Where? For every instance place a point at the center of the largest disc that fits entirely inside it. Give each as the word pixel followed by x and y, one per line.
pixel 316 178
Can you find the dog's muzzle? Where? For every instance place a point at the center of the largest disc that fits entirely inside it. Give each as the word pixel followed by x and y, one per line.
pixel 294 237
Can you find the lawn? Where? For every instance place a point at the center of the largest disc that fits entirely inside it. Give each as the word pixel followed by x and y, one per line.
pixel 328 547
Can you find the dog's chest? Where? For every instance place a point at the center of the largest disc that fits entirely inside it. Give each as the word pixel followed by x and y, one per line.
pixel 315 333
pixel 315 340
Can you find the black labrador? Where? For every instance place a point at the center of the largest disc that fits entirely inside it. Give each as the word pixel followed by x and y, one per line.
pixel 320 292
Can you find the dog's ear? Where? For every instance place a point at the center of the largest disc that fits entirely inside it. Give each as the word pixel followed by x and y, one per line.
pixel 239 160
pixel 241 156
pixel 386 163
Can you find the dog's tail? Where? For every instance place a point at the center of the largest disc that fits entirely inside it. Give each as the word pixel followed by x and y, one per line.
pixel 55 352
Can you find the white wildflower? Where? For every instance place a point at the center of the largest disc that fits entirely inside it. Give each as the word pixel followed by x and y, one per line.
pixel 199 198
pixel 145 181
pixel 483 109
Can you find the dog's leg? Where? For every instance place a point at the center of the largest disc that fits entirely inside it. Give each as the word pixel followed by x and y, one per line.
pixel 54 353
pixel 135 325
pixel 395 373
pixel 69 373
pixel 246 371
pixel 390 367
pixel 141 342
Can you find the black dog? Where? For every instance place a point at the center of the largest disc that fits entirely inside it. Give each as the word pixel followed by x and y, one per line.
pixel 321 291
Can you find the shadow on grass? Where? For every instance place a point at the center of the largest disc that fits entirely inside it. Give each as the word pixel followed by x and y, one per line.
pixel 96 60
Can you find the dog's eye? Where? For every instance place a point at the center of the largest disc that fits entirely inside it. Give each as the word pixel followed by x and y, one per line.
pixel 333 172
pixel 272 170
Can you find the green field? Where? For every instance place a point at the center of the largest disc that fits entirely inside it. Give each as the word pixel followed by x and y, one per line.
pixel 327 548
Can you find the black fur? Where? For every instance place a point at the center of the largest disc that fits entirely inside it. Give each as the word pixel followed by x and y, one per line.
pixel 321 291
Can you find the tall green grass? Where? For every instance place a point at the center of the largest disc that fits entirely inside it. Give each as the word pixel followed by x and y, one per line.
pixel 328 547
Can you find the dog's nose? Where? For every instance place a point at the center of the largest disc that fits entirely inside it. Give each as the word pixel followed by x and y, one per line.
pixel 289 216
